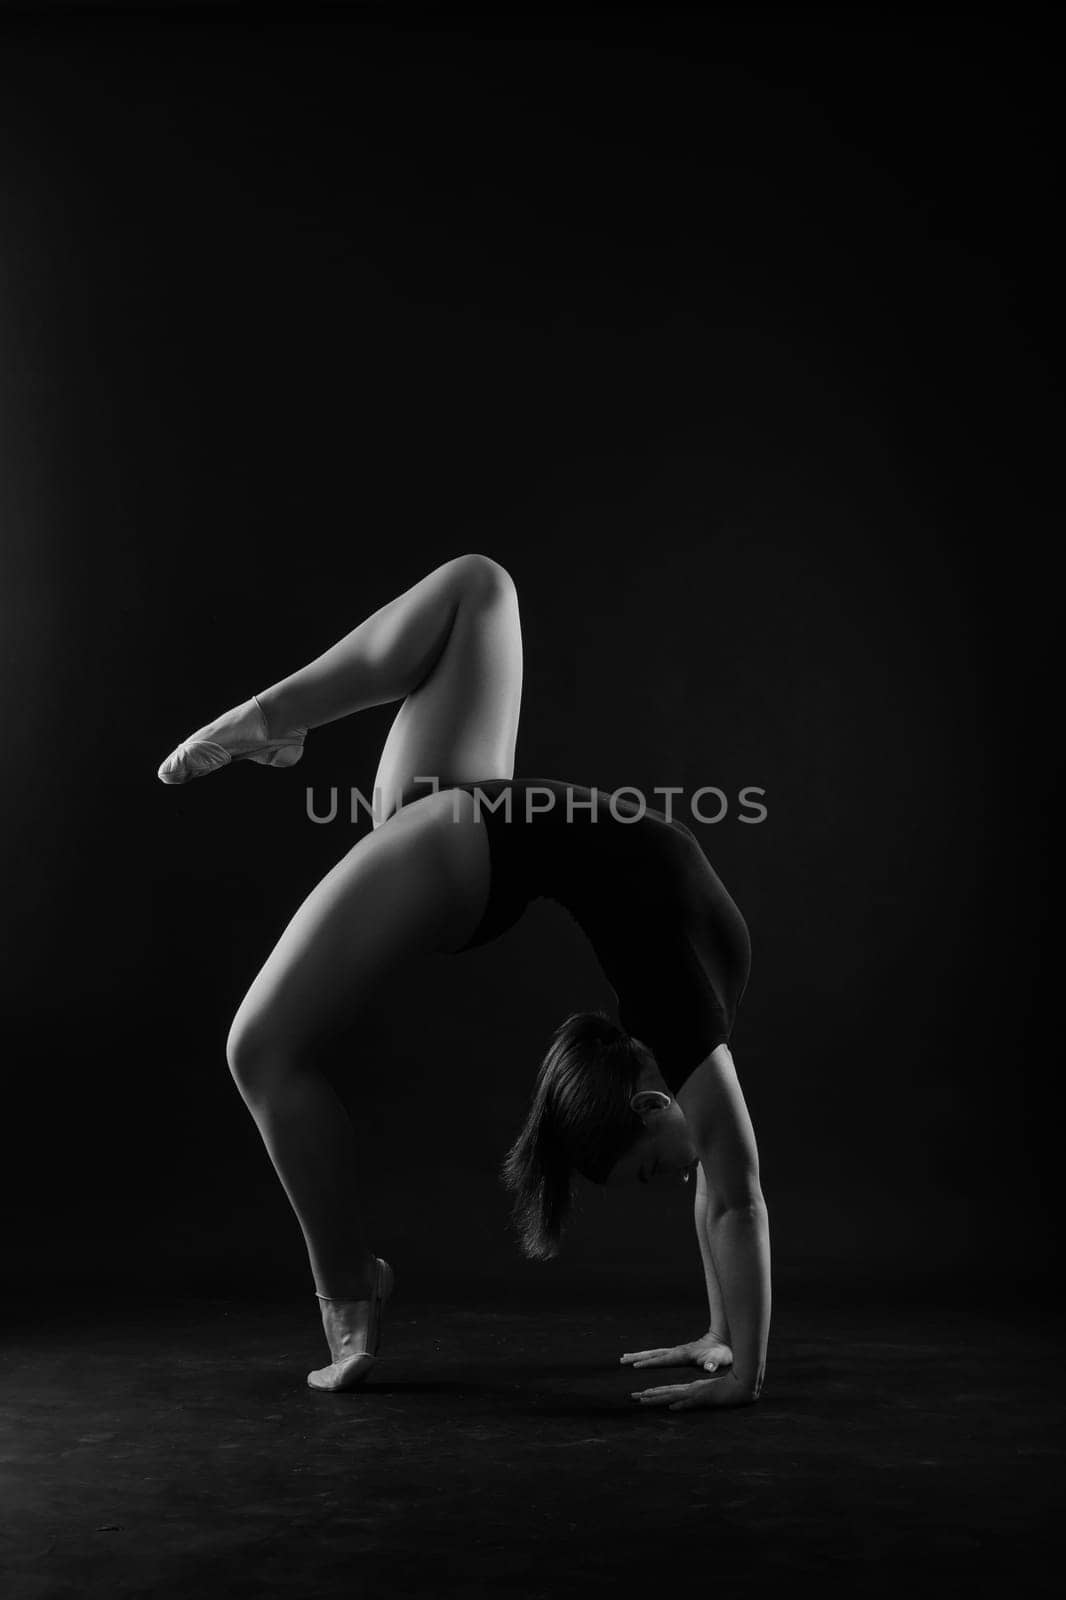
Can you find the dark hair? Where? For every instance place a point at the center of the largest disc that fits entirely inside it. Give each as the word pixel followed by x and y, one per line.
pixel 580 1120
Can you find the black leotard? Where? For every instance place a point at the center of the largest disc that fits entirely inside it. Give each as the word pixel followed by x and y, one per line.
pixel 671 942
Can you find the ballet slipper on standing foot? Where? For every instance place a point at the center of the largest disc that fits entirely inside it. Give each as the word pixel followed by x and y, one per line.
pixel 353 1329
pixel 240 734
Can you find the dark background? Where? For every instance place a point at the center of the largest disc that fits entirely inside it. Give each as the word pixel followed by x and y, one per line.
pixel 726 332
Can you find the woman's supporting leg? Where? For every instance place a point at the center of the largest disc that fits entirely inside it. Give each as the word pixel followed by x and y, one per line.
pixel 415 885
pixel 309 1137
pixel 405 889
pixel 390 900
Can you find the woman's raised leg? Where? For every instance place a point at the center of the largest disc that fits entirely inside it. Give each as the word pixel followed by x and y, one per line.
pixel 450 647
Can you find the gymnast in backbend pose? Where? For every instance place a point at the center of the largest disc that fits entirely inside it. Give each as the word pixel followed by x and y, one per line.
pixel 651 1097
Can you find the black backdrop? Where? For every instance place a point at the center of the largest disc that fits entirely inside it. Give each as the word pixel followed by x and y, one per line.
pixel 728 340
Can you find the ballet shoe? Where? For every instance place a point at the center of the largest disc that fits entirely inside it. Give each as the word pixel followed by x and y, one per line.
pixel 238 735
pixel 349 1371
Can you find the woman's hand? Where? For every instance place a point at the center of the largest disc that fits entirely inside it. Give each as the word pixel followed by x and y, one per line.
pixel 725 1390
pixel 711 1353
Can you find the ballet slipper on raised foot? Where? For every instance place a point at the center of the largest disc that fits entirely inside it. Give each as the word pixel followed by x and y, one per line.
pixel 238 735
pixel 351 1366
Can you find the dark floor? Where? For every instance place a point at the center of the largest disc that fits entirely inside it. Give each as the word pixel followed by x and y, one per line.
pixel 177 1451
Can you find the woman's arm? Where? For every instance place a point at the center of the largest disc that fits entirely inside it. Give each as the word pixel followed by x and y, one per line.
pixel 736 1225
pixel 740 1242
pixel 718 1323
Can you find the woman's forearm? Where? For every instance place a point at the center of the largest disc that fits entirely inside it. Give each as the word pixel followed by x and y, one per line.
pixel 739 1240
pixel 718 1323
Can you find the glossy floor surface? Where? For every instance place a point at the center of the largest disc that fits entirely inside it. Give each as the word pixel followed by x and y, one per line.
pixel 174 1450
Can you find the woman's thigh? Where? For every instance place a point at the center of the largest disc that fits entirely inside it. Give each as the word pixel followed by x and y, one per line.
pixel 461 724
pixel 410 887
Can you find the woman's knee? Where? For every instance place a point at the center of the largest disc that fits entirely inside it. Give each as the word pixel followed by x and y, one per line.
pixel 484 578
pixel 256 1056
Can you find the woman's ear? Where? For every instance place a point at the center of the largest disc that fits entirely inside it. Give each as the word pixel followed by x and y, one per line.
pixel 649 1100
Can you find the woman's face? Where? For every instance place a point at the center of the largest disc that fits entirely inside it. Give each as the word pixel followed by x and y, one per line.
pixel 664 1154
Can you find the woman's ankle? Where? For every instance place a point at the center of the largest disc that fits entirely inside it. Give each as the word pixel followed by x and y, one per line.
pixel 348 1287
pixel 272 714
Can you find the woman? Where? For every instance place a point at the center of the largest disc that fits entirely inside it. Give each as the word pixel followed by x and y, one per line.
pixel 652 1096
